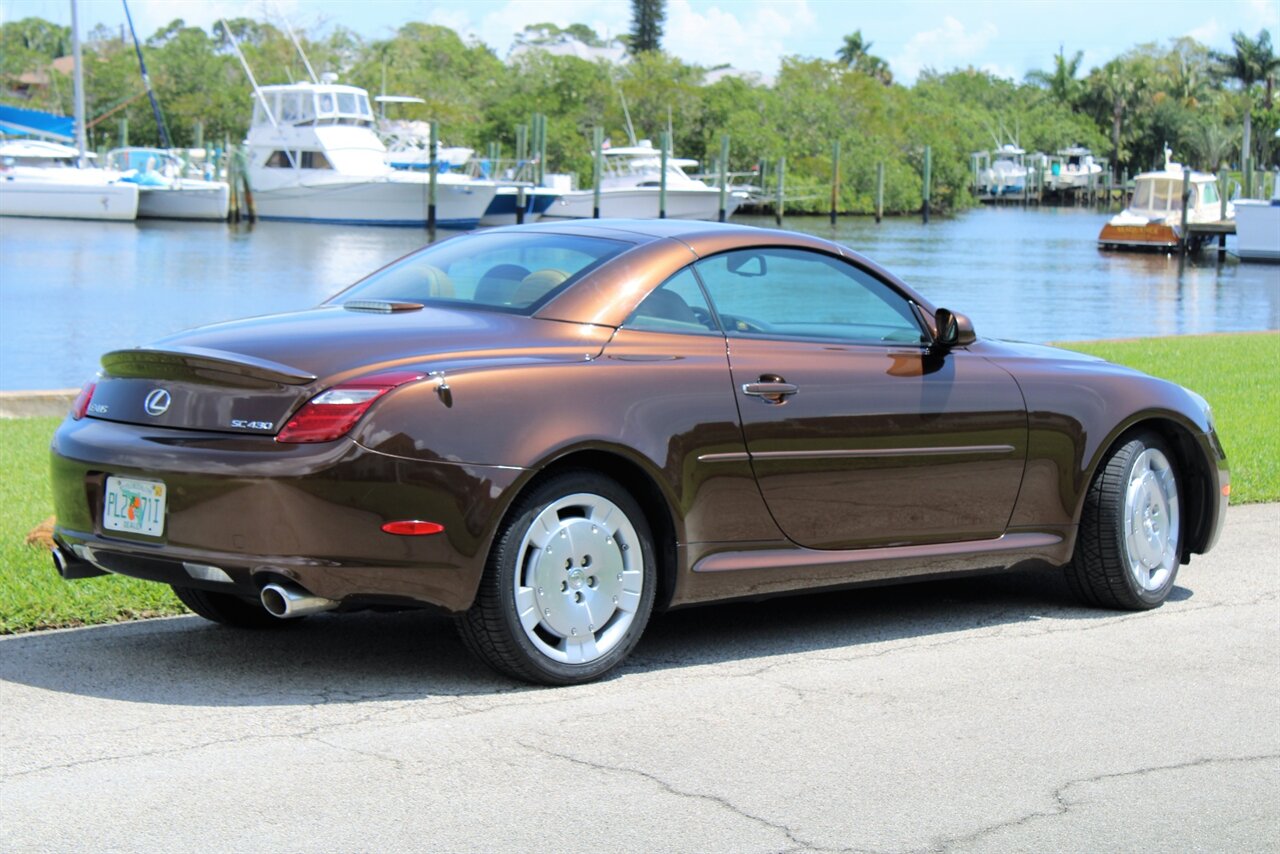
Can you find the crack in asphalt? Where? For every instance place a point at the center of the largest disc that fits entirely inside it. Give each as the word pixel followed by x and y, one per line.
pixel 797 843
pixel 1063 805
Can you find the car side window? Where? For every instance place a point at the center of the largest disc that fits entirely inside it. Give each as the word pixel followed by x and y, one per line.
pixel 777 292
pixel 677 305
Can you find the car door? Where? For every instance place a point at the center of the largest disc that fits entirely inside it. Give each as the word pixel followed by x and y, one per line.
pixel 859 435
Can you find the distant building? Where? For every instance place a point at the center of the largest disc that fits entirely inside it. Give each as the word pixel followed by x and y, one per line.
pixel 29 84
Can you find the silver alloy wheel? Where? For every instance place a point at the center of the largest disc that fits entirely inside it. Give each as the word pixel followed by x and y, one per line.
pixel 1151 520
pixel 579 577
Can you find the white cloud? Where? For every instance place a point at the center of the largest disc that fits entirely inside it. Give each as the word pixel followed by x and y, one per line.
pixel 498 28
pixel 942 47
pixel 1206 33
pixel 753 36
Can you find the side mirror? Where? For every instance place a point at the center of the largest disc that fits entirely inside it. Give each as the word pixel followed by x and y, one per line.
pixel 954 330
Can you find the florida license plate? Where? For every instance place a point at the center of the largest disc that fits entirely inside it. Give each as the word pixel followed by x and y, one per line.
pixel 134 506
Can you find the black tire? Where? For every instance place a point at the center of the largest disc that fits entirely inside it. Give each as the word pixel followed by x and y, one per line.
pixel 1104 570
pixel 518 570
pixel 229 609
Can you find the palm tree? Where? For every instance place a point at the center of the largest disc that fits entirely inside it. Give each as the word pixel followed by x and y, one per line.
pixel 1251 61
pixel 856 53
pixel 1061 82
pixel 1119 87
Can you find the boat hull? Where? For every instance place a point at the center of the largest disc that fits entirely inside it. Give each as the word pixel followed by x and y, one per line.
pixel 205 203
pixel 397 203
pixel 642 203
pixel 502 210
pixel 1258 230
pixel 68 200
pixel 1155 235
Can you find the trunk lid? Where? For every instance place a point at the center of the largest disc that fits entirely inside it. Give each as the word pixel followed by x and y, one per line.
pixel 249 376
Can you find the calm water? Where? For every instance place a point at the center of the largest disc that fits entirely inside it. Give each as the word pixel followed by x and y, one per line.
pixel 70 291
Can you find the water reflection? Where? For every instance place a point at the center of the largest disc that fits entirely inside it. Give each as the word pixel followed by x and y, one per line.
pixel 70 291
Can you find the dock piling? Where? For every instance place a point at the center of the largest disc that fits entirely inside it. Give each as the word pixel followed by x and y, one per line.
pixel 597 145
pixel 724 176
pixel 432 165
pixel 928 170
pixel 879 191
pixel 1183 236
pixel 835 179
pixel 665 142
pixel 777 207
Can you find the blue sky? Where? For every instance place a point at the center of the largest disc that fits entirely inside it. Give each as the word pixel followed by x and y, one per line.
pixel 1006 37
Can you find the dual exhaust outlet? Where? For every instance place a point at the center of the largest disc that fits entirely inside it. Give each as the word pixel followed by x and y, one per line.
pixel 283 600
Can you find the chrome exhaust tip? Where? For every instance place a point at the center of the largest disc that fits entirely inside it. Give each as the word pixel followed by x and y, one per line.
pixel 288 601
pixel 71 566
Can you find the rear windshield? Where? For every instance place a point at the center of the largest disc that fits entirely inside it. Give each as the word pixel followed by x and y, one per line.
pixel 505 272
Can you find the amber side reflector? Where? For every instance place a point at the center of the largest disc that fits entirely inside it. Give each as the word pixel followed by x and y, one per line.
pixel 413 528
pixel 1226 491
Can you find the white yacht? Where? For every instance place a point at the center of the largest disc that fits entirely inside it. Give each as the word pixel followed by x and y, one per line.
pixel 164 190
pixel 314 157
pixel 1153 219
pixel 1073 170
pixel 43 179
pixel 630 186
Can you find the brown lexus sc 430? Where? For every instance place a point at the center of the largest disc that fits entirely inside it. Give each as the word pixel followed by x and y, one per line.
pixel 551 431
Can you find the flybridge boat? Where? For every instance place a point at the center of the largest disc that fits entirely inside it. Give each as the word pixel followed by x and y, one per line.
pixel 1153 219
pixel 164 191
pixel 42 179
pixel 630 188
pixel 314 157
pixel 1007 174
pixel 1074 170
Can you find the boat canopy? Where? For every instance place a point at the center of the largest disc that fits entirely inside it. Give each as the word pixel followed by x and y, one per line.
pixel 15 121
pixel 314 104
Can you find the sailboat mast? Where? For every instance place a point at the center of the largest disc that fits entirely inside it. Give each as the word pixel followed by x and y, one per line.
pixel 146 80
pixel 81 144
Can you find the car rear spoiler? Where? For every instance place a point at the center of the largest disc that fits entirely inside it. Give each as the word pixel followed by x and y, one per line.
pixel 182 362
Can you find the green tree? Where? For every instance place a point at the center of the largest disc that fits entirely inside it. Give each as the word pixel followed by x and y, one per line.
pixel 647 17
pixel 1251 61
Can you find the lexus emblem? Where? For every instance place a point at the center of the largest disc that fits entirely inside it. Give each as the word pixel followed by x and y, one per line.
pixel 157 402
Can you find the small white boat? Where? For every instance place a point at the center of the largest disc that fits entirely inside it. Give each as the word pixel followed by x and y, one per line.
pixel 1007 174
pixel 314 157
pixel 164 192
pixel 1073 170
pixel 1153 219
pixel 1258 227
pixel 630 188
pixel 42 179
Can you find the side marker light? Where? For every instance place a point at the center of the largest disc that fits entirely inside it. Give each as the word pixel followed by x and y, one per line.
pixel 413 528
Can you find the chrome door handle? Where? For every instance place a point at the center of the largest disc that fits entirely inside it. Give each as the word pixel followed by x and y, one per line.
pixel 775 391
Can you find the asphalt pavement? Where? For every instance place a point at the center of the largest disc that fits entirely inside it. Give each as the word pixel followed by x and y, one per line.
pixel 977 714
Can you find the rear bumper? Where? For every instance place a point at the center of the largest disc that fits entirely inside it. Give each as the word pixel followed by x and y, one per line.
pixel 258 511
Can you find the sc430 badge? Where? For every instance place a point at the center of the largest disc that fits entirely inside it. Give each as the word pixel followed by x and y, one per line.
pixel 240 424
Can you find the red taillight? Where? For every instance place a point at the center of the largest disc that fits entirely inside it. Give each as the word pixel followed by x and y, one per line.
pixel 80 405
pixel 331 414
pixel 413 528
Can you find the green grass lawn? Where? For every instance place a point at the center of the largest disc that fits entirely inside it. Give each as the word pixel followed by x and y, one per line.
pixel 32 596
pixel 1240 377
pixel 1238 374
